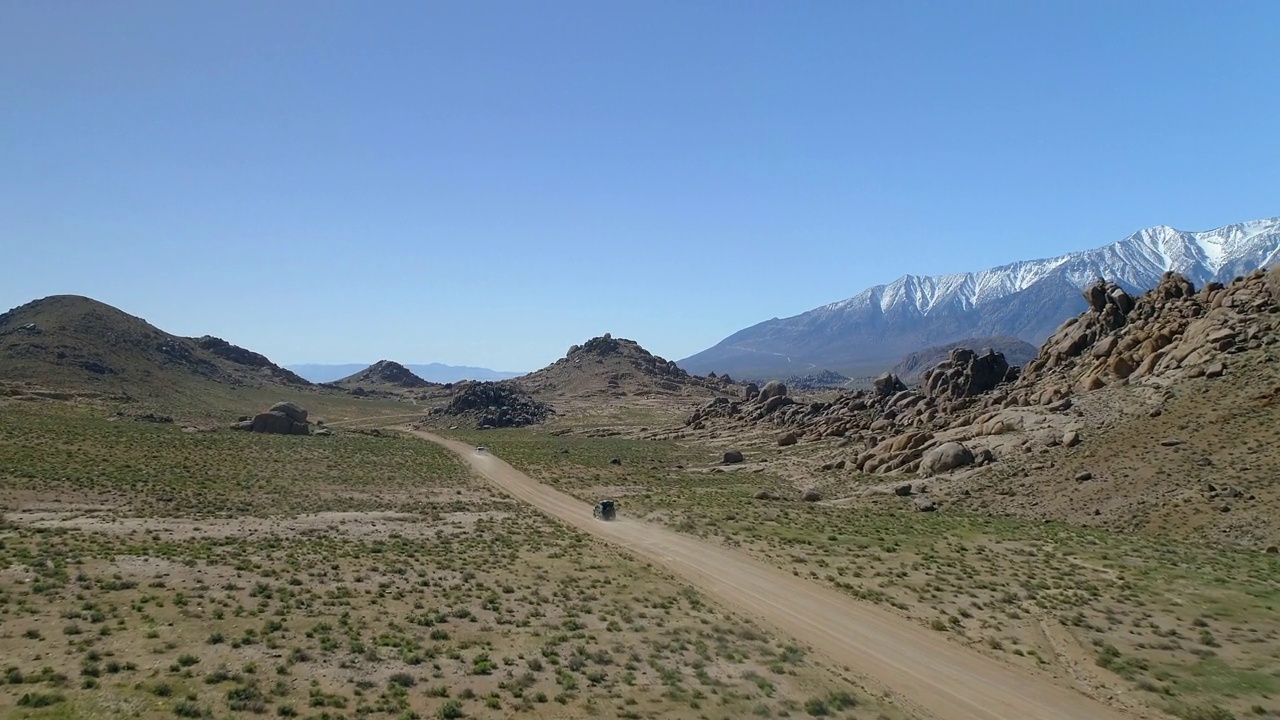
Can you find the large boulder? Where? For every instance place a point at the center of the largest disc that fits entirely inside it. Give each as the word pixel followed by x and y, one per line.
pixel 290 410
pixel 888 384
pixel 732 457
pixel 945 457
pixel 775 402
pixel 772 389
pixel 272 422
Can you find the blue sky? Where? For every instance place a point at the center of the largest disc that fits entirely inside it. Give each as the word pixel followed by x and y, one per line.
pixel 489 182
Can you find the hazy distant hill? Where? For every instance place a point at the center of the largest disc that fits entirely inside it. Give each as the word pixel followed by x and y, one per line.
pixel 384 373
pixel 431 372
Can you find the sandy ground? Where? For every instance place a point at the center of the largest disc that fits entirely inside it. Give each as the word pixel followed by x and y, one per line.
pixel 923 671
pixel 369 525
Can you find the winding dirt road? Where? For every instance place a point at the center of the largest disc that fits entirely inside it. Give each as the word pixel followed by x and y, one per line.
pixel 928 674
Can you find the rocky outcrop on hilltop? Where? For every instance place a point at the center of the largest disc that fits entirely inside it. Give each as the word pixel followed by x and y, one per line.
pixel 965 374
pixel 912 367
pixel 1173 331
pixel 616 367
pixel 974 406
pixel 249 359
pixel 495 405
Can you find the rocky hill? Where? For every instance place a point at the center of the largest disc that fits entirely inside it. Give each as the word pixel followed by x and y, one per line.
pixel 384 374
pixel 431 372
pixel 69 342
pixel 913 366
pixel 606 367
pixel 1143 411
pixel 868 333
pixel 493 405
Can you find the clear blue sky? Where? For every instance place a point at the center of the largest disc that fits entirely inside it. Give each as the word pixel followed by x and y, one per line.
pixel 489 182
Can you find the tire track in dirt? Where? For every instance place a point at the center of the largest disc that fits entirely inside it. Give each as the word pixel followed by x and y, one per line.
pixel 925 672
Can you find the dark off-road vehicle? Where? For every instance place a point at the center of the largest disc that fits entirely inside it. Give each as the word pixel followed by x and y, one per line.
pixel 605 510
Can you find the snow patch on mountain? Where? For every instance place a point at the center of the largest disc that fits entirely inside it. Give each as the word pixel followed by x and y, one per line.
pixel 1134 261
pixel 874 329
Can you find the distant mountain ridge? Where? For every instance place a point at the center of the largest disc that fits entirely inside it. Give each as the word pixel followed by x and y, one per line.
pixel 431 372
pixel 1028 299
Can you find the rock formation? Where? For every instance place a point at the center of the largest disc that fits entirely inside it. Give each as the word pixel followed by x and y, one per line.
pixel 966 373
pixel 495 405
pixel 284 418
pixel 966 404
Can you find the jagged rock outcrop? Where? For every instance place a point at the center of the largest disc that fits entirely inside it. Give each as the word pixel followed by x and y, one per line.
pixel 1170 332
pixel 973 402
pixel 966 373
pixel 495 405
pixel 912 367
pixel 888 384
pixel 249 359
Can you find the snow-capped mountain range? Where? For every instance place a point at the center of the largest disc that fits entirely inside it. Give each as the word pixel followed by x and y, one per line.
pixel 1028 299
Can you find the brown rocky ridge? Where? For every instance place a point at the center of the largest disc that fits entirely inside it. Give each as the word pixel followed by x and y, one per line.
pixel 601 376
pixel 1104 380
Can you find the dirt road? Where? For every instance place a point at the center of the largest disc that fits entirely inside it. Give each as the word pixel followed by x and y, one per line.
pixel 930 675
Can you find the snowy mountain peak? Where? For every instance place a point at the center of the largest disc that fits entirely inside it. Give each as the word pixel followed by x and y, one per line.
pixel 1201 256
pixel 874 329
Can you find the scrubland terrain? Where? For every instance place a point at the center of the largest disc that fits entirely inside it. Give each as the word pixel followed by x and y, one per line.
pixel 150 572
pixel 1103 519
pixel 1143 621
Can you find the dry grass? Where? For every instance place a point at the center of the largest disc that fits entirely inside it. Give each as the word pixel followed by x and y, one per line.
pixel 1178 625
pixel 147 572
